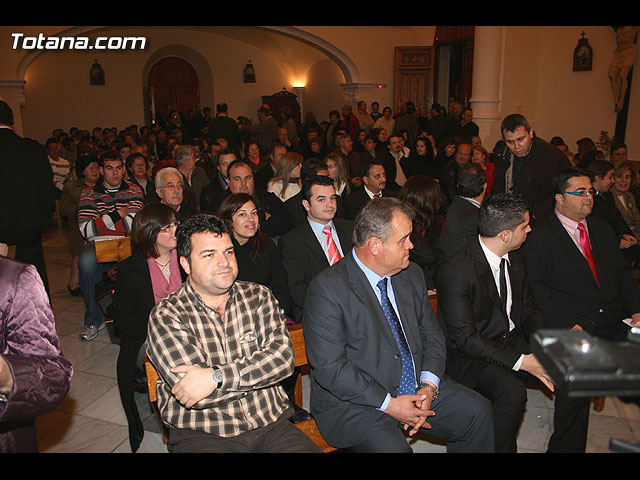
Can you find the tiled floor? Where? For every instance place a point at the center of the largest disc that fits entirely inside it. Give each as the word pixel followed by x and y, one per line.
pixel 91 419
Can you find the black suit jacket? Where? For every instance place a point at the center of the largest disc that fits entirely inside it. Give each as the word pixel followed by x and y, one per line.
pixel 566 291
pixel 133 302
pixel 390 170
pixel 222 126
pixel 358 198
pixel 355 361
pixel 303 258
pixel 28 193
pixel 471 312
pixel 460 226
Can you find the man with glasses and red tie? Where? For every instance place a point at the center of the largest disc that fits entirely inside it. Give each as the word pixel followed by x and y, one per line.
pixel 316 244
pixel 579 276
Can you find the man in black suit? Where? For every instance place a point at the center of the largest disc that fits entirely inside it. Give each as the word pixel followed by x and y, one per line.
pixel 27 195
pixel 579 276
pixel 377 351
pixel 395 163
pixel 308 249
pixel 221 126
pixel 310 167
pixel 268 171
pixel 489 314
pixel 374 182
pixel 449 173
pixel 461 222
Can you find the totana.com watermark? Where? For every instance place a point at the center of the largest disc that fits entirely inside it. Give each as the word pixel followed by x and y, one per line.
pixel 42 42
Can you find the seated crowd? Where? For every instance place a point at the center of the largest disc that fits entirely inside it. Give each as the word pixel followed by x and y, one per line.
pixel 348 226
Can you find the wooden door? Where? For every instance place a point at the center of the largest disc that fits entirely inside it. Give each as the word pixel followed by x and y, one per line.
pixel 413 78
pixel 173 85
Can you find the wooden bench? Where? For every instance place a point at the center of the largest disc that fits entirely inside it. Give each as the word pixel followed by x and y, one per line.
pixel 309 427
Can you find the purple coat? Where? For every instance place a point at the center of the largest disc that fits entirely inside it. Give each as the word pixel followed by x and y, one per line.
pixel 30 345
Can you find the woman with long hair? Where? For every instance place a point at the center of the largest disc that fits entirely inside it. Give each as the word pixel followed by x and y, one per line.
pixel 258 257
pixel 151 273
pixel 422 194
pixel 338 173
pixel 286 182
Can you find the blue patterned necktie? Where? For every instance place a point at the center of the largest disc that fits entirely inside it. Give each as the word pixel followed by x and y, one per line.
pixel 408 380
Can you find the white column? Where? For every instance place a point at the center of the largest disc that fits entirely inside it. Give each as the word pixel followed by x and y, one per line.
pixel 488 52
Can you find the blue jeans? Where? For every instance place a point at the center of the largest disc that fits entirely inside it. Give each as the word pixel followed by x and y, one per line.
pixel 90 272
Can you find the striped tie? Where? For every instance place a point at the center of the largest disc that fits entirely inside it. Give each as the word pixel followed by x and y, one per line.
pixel 332 248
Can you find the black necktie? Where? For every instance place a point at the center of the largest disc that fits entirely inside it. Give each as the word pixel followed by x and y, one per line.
pixel 503 285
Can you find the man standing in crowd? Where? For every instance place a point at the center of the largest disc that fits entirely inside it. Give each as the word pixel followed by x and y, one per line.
pixel 527 166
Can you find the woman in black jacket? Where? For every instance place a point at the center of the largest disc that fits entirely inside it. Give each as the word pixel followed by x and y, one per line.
pixel 257 255
pixel 151 273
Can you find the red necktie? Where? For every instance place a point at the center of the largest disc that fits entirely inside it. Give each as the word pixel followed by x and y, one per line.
pixel 334 253
pixel 586 249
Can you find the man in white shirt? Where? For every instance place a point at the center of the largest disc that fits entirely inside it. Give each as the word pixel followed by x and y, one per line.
pixel 489 312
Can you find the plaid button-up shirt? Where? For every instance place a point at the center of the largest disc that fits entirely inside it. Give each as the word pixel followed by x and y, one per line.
pixel 250 345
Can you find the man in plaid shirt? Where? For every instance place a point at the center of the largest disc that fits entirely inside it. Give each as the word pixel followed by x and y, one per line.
pixel 221 346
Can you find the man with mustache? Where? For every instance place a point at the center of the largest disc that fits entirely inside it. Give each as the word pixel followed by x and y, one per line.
pixel 221 348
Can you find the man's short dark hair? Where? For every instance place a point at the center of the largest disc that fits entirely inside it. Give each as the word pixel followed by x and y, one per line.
pixel 221 107
pixel 235 163
pixel 599 168
pixel 471 180
pixel 49 141
pixel 512 122
pixel 109 156
pixel 375 219
pixel 225 152
pixel 499 212
pixel 312 180
pixel 6 114
pixel 614 147
pixel 311 167
pixel 199 223
pixel 561 179
pixel 365 168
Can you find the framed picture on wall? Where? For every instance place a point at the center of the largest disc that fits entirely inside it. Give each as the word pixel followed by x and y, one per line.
pixel 582 56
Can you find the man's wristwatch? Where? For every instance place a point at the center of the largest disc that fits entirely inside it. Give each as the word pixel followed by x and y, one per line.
pixel 217 376
pixel 430 387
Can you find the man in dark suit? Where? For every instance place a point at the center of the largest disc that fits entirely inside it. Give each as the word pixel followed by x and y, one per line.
pixel 489 314
pixel 221 126
pixel 449 173
pixel 268 171
pixel 374 181
pixel 310 167
pixel 579 276
pixel 461 222
pixel 377 351
pixel 27 195
pixel 395 163
pixel 307 249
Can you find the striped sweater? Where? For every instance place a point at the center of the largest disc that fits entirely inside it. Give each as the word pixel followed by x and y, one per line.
pixel 97 210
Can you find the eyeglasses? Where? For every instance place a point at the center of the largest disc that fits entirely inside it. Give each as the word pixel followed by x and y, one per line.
pixel 166 228
pixel 583 193
pixel 174 186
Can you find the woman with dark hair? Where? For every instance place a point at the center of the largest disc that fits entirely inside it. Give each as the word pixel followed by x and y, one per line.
pixel 258 257
pixel 422 194
pixel 422 160
pixel 446 152
pixel 137 167
pixel 151 273
pixel 88 173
